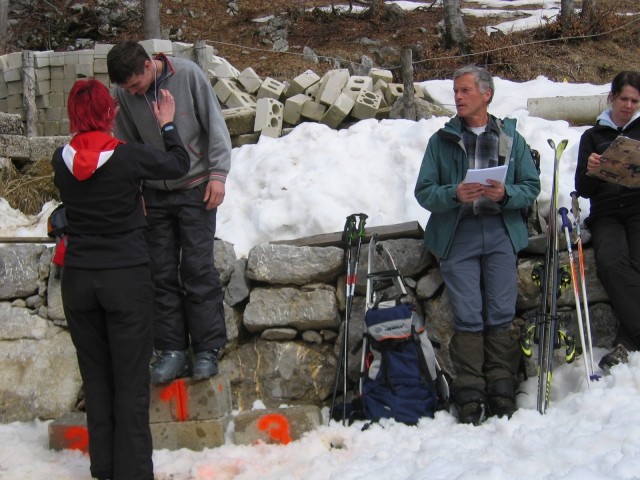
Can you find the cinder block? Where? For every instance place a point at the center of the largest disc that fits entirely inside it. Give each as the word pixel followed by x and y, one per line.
pixel 51 128
pixel 103 77
pixel 271 88
pixel 3 89
pixel 312 91
pixel 293 108
pixel 302 82
pixel 86 57
pixel 224 87
pixel 240 99
pixel 14 101
pixel 55 114
pixel 70 72
pixel 56 99
pixel 185 400
pixel 194 435
pixel 313 111
pixel 155 45
pixel 71 58
pixel 338 111
pixel 101 50
pixel 42 102
pixel 84 70
pixel 268 115
pixel 356 84
pixel 245 139
pixel 43 87
pixel 56 59
pixel 222 68
pixel 100 65
pixel 239 120
pixel 250 80
pixel 276 426
pixel 13 60
pixel 186 50
pixel 269 131
pixel 366 105
pixel 381 74
pixel 331 86
pixel 41 59
pixel 14 88
pixel 69 432
pixel 56 73
pixel 393 92
pixel 43 74
pixel 12 74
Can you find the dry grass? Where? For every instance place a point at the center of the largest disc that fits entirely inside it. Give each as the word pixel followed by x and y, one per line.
pixel 29 189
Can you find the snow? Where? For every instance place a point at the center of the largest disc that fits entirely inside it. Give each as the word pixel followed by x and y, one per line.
pixel 307 183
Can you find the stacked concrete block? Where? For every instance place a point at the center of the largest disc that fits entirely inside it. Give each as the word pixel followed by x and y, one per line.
pixel 269 113
pixel 240 120
pixel 271 88
pixel 250 80
pixel 293 108
pixel 188 414
pixel 366 105
pixel 69 432
pixel 186 50
pixel 303 82
pixel 12 78
pixel 337 112
pixel 356 84
pixel 155 45
pixel 331 86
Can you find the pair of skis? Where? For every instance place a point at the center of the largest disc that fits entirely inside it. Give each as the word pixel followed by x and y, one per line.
pixel 352 236
pixel 548 334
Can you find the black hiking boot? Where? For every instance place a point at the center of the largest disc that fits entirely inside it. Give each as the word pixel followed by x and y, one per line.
pixel 502 406
pixel 169 365
pixel 471 412
pixel 471 405
pixel 619 354
pixel 502 397
pixel 205 364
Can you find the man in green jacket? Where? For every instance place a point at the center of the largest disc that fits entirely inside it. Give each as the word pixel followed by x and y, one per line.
pixel 476 229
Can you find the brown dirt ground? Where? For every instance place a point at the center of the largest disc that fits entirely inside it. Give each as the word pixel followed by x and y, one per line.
pixel 519 56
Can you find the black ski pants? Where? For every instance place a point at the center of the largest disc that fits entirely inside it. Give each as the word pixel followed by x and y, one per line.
pixel 188 293
pixel 110 318
pixel 616 244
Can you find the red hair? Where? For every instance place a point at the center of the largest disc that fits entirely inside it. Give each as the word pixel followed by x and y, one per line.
pixel 90 107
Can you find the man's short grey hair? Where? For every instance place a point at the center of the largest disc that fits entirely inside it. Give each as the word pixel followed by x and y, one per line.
pixel 483 78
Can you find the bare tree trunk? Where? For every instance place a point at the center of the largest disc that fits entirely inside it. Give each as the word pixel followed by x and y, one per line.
pixel 455 31
pixel 4 19
pixel 151 19
pixel 567 12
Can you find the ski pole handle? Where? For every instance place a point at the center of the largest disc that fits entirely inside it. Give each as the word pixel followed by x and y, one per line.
pixel 363 218
pixel 563 212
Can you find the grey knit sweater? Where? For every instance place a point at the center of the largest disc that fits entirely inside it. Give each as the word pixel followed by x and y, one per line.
pixel 198 116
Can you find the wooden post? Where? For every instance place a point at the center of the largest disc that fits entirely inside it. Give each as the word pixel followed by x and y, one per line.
pixel 201 54
pixel 4 19
pixel 408 102
pixel 29 92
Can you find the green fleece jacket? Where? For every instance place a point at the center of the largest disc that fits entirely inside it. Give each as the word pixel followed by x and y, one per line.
pixel 199 118
pixel 445 165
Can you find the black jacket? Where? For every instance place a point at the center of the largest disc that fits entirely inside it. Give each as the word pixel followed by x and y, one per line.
pixel 99 179
pixel 606 197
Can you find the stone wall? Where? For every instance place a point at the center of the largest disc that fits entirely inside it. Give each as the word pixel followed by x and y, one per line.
pixel 284 308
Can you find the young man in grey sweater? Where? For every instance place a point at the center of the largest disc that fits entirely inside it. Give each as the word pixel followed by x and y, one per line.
pixel 181 213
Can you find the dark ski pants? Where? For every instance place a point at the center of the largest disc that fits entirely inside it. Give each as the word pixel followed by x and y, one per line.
pixel 616 244
pixel 480 274
pixel 110 318
pixel 188 293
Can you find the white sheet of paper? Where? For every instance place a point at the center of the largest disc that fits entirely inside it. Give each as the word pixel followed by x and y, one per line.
pixel 481 175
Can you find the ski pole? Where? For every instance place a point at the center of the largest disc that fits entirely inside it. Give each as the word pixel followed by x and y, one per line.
pixel 566 225
pixel 575 211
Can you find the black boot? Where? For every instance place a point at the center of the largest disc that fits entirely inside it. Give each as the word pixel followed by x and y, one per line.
pixel 169 365
pixel 502 359
pixel 502 397
pixel 205 364
pixel 471 406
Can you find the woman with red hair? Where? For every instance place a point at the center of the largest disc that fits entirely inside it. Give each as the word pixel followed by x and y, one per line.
pixel 107 291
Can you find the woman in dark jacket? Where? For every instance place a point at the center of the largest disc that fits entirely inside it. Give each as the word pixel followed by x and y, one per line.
pixel 614 219
pixel 107 291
